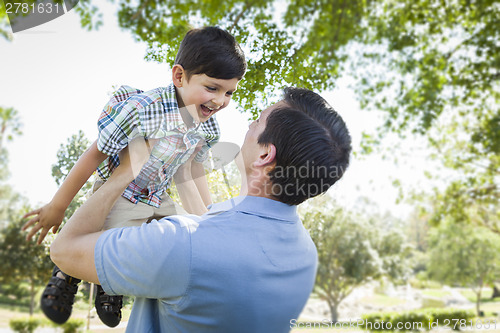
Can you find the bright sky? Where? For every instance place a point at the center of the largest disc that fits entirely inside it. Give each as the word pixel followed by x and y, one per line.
pixel 58 77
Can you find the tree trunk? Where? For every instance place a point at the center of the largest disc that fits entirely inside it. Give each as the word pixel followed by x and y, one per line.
pixel 32 294
pixel 478 301
pixel 334 311
pixel 496 292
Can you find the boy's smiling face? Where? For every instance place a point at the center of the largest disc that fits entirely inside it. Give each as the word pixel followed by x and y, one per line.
pixel 202 95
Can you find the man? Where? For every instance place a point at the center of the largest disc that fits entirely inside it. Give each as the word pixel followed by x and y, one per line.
pixel 248 265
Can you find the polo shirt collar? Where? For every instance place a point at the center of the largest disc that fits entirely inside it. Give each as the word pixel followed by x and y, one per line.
pixel 259 206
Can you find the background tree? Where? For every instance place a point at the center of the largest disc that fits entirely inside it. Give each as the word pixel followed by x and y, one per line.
pixel 431 66
pixel 434 69
pixel 432 57
pixel 414 59
pixel 23 263
pixel 5 30
pixel 10 125
pixel 224 184
pixel 468 256
pixel 67 155
pixel 351 251
pixel 298 43
pixel 472 195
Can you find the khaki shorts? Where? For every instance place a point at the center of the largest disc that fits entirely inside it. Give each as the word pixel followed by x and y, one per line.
pixel 127 214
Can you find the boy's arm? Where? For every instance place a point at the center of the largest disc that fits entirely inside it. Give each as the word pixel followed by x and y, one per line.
pixel 188 191
pixel 52 214
pixel 198 173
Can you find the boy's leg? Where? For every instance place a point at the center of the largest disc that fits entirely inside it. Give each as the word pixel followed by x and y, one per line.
pixel 168 208
pixel 127 214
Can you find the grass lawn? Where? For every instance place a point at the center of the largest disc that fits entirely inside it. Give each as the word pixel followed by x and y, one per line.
pixel 490 308
pixel 80 310
pixel 485 295
pixel 438 293
pixel 382 300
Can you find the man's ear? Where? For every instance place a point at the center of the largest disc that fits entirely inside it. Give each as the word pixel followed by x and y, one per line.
pixel 178 75
pixel 267 156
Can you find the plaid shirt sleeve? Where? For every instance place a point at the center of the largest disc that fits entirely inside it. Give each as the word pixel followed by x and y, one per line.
pixel 120 121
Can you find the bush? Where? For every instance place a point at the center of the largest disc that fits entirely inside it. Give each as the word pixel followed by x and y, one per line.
pixel 72 325
pixel 449 317
pixel 420 320
pixel 420 281
pixel 432 302
pixel 24 325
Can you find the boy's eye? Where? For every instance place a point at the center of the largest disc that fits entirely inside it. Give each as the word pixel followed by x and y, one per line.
pixel 229 93
pixel 211 88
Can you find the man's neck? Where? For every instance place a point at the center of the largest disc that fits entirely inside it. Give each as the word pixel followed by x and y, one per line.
pixel 256 188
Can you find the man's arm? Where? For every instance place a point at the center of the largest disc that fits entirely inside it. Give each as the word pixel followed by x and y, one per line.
pixel 52 214
pixel 73 249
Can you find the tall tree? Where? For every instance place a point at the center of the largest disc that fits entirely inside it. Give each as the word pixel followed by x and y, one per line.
pixel 435 70
pixel 287 43
pixel 351 252
pixel 67 155
pixel 432 57
pixel 4 23
pixel 22 262
pixel 472 193
pixel 10 124
pixel 431 66
pixel 468 256
pixel 414 59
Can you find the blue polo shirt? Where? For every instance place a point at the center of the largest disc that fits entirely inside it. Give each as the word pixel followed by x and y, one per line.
pixel 248 265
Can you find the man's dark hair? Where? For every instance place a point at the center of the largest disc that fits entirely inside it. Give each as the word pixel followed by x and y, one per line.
pixel 312 146
pixel 211 51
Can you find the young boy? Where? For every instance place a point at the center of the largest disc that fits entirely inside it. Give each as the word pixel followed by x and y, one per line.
pixel 177 123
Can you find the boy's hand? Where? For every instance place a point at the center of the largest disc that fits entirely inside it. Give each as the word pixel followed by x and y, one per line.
pixel 45 218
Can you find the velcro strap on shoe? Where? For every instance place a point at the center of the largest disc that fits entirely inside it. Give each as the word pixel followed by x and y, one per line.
pixel 51 291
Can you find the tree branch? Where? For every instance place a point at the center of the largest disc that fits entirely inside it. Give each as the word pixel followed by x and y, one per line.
pixel 339 22
pixel 240 15
pixel 139 10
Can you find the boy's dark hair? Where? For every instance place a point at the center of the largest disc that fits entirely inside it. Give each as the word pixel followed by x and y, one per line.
pixel 312 146
pixel 211 51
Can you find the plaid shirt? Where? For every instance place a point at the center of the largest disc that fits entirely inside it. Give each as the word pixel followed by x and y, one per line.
pixel 154 114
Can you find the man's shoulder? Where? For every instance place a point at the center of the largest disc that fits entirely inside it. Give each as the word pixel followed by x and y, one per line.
pixel 188 221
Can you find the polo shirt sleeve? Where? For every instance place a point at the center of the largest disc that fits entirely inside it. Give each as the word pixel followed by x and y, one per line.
pixel 119 121
pixel 151 261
